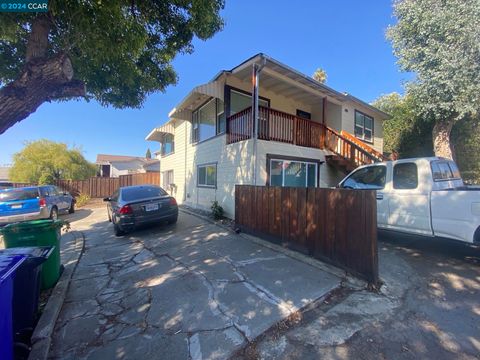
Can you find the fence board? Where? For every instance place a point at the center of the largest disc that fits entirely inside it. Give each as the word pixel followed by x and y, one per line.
pixel 98 187
pixel 337 225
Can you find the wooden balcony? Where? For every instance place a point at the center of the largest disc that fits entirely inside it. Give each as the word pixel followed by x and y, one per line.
pixel 274 125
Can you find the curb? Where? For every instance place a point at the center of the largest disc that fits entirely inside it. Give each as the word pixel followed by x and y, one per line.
pixel 347 278
pixel 42 335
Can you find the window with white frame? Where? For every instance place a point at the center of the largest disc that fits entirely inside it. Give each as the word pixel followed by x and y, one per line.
pixel 207 175
pixel 363 126
pixel 168 145
pixel 167 180
pixel 293 173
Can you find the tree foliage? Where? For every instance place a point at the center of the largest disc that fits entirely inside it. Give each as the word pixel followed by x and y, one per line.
pixel 439 41
pixel 148 154
pixel 320 75
pixel 45 161
pixel 466 140
pixel 406 132
pixel 409 134
pixel 116 52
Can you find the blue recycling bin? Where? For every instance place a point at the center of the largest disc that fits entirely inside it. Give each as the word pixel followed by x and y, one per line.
pixel 8 266
pixel 26 288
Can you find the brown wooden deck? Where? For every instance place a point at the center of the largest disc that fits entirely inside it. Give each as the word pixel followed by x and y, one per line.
pixel 274 125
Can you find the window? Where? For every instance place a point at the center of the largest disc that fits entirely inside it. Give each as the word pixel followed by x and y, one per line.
pixel 371 178
pixel 405 176
pixel 207 175
pixel 303 114
pixel 240 101
pixel 167 180
pixel 221 117
pixel 363 126
pixel 168 145
pixel 293 173
pixel 142 192
pixel 444 170
pixel 208 120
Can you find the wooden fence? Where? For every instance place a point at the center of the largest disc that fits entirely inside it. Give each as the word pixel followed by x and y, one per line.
pixel 98 187
pixel 336 225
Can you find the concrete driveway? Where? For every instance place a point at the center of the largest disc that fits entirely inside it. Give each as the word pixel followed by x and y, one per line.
pixel 191 290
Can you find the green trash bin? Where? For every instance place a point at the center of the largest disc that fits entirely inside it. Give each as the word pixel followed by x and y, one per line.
pixel 38 233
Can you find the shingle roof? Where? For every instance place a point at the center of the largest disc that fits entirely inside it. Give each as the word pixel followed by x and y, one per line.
pixel 104 158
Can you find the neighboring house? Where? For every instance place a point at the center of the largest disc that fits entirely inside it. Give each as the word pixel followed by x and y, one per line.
pixel 308 134
pixel 4 173
pixel 116 165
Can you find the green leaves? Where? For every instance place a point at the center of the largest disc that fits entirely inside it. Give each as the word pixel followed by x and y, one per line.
pixel 440 42
pixel 121 50
pixel 44 161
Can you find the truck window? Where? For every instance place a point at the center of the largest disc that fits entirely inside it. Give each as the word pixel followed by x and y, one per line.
pixel 371 178
pixel 444 170
pixel 405 176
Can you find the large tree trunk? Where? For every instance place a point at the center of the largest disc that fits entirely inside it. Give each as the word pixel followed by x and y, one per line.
pixel 441 138
pixel 42 79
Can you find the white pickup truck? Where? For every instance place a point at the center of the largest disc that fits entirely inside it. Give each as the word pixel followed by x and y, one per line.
pixel 424 196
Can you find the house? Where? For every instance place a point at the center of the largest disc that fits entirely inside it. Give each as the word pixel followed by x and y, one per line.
pixel 116 165
pixel 4 173
pixel 305 134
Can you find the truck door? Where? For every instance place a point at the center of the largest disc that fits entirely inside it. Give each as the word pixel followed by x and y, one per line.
pixel 409 205
pixel 372 178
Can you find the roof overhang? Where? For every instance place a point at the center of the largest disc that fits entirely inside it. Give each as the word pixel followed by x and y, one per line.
pixel 159 133
pixel 287 81
pixel 196 97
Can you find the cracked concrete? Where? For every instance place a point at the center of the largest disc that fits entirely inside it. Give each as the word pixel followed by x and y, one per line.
pixel 188 291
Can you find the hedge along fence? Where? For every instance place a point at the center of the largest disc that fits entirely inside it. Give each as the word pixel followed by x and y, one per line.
pixel 336 225
pixel 98 187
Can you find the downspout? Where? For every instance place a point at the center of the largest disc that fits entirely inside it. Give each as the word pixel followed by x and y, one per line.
pixel 185 167
pixel 257 69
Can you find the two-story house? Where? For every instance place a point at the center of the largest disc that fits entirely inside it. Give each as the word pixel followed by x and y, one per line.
pixel 263 123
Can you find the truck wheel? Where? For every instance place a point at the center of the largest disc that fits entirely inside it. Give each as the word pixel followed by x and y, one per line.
pixel 71 210
pixel 476 236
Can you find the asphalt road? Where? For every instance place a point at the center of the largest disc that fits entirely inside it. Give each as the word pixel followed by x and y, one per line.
pixel 428 308
pixel 440 313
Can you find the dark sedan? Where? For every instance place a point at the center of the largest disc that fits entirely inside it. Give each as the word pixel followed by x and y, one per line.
pixel 132 206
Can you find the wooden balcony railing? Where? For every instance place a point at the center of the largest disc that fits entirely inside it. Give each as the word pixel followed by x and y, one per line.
pixel 274 125
pixel 239 126
pixel 364 146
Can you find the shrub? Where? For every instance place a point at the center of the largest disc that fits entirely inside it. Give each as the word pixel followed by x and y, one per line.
pixel 82 199
pixel 217 210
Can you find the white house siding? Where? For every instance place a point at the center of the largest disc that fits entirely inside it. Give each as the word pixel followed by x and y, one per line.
pixel 233 167
pixel 348 123
pixel 328 176
pixel 125 167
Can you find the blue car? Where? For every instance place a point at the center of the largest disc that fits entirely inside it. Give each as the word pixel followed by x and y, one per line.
pixel 33 203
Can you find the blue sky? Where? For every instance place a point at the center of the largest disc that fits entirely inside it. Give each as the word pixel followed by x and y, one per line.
pixel 344 37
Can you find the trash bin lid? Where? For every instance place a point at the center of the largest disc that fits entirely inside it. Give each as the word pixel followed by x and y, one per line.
pixel 30 251
pixel 8 265
pixel 32 226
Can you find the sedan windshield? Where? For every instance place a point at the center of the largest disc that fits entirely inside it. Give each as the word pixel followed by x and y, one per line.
pixel 142 192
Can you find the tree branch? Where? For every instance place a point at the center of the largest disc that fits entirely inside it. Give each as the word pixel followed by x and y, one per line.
pixel 41 80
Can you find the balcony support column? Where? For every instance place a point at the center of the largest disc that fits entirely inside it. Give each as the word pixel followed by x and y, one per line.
pixel 256 70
